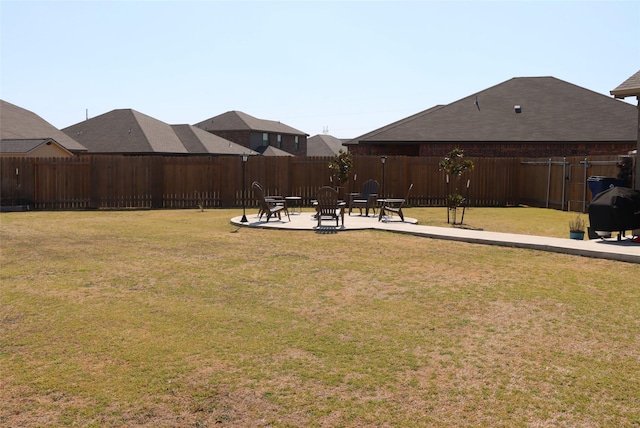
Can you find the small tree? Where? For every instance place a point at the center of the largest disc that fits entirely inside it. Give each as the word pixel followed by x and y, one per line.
pixel 455 166
pixel 341 166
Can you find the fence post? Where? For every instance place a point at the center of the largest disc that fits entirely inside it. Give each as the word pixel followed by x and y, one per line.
pixel 564 181
pixel 548 183
pixel 584 186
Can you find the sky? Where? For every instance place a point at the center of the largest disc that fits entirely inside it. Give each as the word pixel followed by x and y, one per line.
pixel 343 68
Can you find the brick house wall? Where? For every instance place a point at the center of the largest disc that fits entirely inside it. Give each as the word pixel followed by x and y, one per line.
pixel 238 137
pixel 474 149
pixel 384 149
pixel 253 140
pixel 529 150
pixel 289 144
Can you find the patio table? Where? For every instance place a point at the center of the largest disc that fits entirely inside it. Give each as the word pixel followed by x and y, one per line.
pixel 292 202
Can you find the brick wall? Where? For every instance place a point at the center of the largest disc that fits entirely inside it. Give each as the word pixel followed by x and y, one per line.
pixel 288 140
pixel 391 150
pixel 289 145
pixel 529 150
pixel 238 137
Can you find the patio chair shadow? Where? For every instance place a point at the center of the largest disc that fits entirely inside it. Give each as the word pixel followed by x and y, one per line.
pixel 326 230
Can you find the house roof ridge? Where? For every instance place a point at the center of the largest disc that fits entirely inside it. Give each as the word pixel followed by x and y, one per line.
pixel 167 142
pixel 135 113
pixel 323 145
pixel 243 118
pixel 188 138
pixel 239 120
pixel 551 110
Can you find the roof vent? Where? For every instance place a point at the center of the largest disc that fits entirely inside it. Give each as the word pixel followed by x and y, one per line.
pixel 517 109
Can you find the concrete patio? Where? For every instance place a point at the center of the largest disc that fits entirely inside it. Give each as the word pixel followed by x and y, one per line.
pixel 611 249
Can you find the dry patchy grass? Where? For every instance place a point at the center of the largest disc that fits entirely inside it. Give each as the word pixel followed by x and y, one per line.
pixel 165 318
pixel 522 220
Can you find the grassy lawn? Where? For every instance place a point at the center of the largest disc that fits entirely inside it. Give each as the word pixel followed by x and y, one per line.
pixel 522 220
pixel 177 318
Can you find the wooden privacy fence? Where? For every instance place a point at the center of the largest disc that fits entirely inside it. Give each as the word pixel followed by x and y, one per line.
pixel 117 182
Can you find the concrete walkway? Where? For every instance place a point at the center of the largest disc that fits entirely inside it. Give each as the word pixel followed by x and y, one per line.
pixel 612 249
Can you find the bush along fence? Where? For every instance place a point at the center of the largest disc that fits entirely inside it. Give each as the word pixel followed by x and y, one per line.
pixel 154 182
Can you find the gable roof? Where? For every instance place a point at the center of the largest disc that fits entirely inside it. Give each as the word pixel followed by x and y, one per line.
pixel 551 110
pixel 323 145
pixel 26 146
pixel 628 88
pixel 272 151
pixel 129 131
pixel 239 121
pixel 17 123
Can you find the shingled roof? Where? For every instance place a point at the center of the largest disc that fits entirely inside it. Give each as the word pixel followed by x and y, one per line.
pixel 401 122
pixel 239 121
pixel 128 131
pixel 17 123
pixel 272 151
pixel 523 109
pixel 628 88
pixel 196 140
pixel 323 145
pixel 26 146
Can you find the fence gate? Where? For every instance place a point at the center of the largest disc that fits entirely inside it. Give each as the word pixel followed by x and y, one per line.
pixel 550 187
pixel 585 168
pixel 562 183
